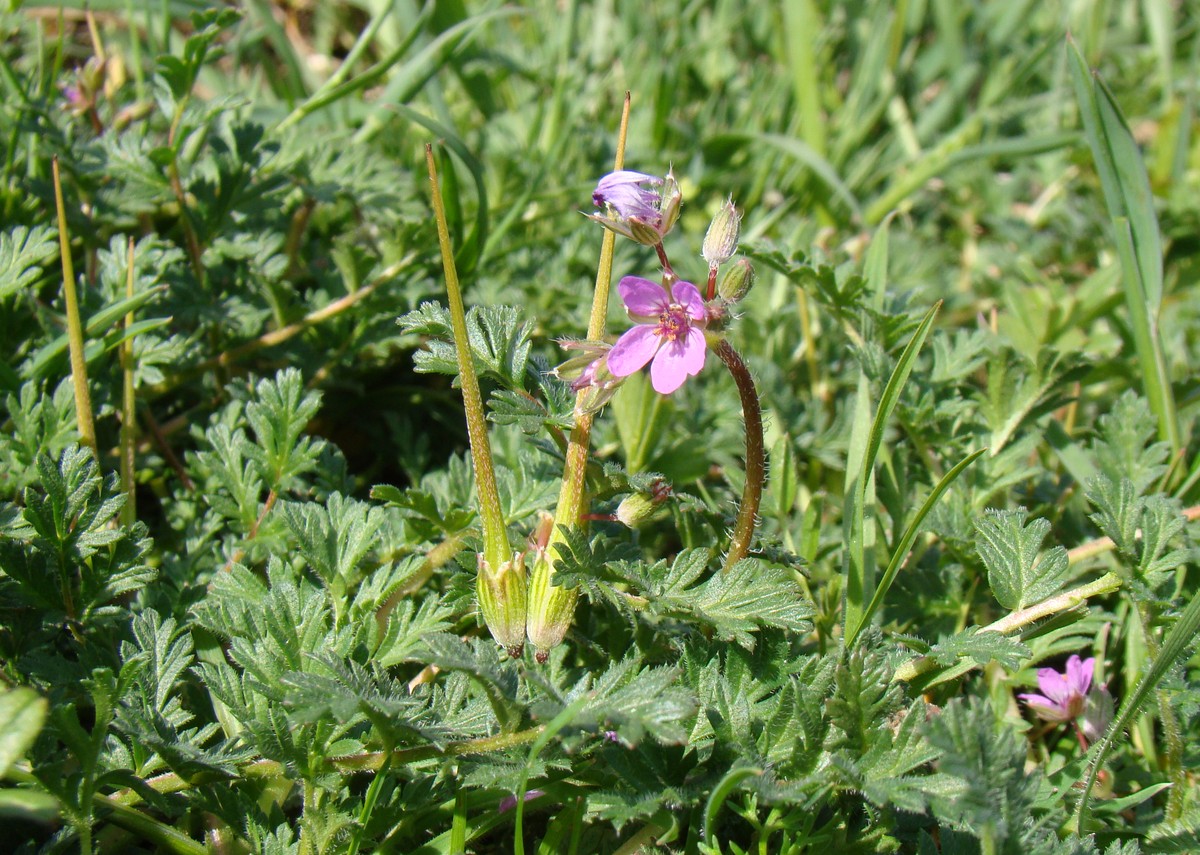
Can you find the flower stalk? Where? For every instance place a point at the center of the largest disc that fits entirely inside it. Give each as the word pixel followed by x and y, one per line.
pixel 756 470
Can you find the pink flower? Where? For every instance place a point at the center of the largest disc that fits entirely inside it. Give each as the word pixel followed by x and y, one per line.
pixel 670 331
pixel 1064 696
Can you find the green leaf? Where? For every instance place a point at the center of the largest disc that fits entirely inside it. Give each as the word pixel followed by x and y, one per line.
pixel 1010 545
pixel 1144 529
pixel 751 596
pixel 22 251
pixel 279 414
pixel 479 663
pixel 22 714
pixel 499 338
pixel 983 647
pixel 335 537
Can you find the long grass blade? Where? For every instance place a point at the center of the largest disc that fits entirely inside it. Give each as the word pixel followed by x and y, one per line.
pixel 910 536
pixel 1130 202
pixel 858 580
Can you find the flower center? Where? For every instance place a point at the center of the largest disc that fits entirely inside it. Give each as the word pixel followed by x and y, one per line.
pixel 673 322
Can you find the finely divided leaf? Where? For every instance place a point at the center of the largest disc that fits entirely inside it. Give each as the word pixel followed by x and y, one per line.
pixel 22 252
pixel 983 647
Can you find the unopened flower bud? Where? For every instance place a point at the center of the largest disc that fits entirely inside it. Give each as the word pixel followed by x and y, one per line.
pixel 721 239
pixel 639 508
pixel 672 199
pixel 737 281
pixel 502 601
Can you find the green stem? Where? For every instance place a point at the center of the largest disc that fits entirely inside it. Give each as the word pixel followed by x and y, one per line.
pixel 496 550
pixel 1057 604
pixel 1172 760
pixel 570 497
pixel 83 397
pixel 190 239
pixel 756 470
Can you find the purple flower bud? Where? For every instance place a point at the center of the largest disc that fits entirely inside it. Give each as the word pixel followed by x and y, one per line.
pixel 625 193
pixel 509 802
pixel 641 207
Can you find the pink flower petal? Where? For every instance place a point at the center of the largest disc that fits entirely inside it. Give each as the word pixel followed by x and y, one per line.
pixel 1053 685
pixel 676 361
pixel 695 350
pixel 1045 709
pixel 643 297
pixel 626 176
pixel 688 295
pixel 633 350
pixel 1079 674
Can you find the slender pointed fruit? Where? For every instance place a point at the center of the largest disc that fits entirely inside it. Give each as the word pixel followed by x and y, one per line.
pixel 83 397
pixel 552 608
pixel 500 584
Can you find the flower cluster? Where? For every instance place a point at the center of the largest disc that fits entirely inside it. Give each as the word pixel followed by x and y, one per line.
pixel 674 323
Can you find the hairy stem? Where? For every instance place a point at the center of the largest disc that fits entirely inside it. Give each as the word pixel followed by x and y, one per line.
pixel 1056 604
pixel 756 470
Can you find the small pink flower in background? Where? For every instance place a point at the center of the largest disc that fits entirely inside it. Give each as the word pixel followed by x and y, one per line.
pixel 509 802
pixel 1072 697
pixel 1064 695
pixel 669 334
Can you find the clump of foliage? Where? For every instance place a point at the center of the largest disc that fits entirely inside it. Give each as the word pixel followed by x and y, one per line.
pixel 919 576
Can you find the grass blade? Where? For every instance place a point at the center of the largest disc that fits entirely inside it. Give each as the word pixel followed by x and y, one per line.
pixel 857 580
pixel 1130 204
pixel 910 535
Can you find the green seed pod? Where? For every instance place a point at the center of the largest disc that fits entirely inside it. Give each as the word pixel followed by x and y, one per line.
pixel 551 608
